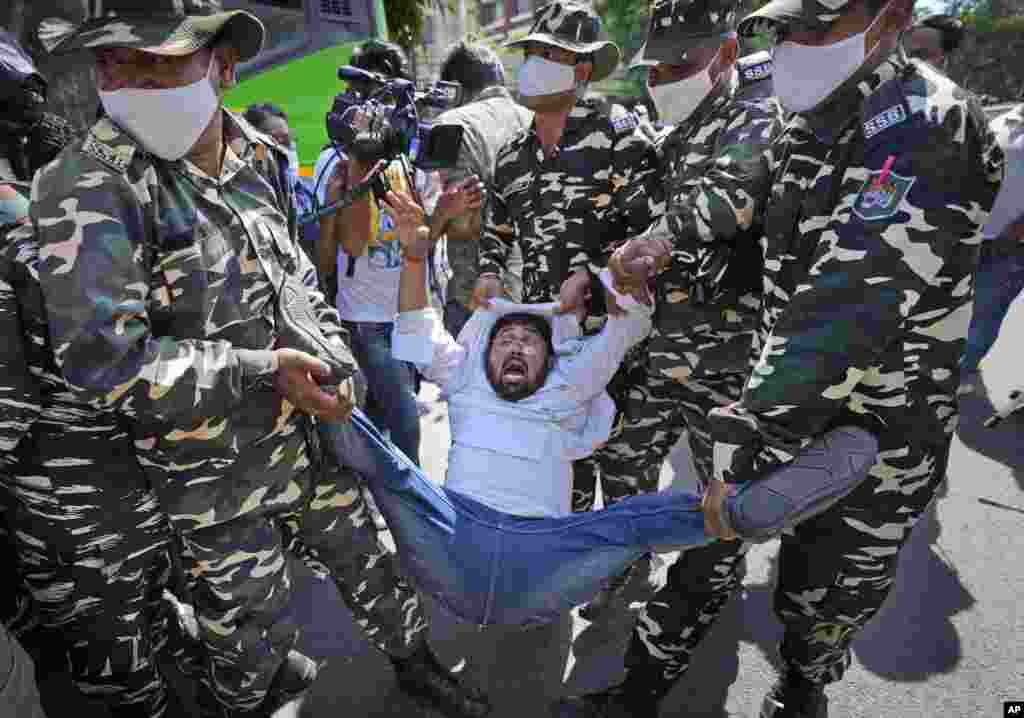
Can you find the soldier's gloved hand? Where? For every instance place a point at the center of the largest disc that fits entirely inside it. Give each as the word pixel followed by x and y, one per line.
pixel 716 520
pixel 573 296
pixel 488 286
pixel 636 262
pixel 298 377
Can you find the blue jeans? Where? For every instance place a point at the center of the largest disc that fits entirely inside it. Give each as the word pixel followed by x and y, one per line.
pixel 492 568
pixel 391 385
pixel 998 281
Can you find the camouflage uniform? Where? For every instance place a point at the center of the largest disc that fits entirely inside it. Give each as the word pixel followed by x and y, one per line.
pixel 160 289
pixel 19 402
pixel 93 552
pixel 91 546
pixel 866 304
pixel 488 121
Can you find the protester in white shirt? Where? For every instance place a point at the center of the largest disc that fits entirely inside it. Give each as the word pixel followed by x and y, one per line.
pixel 526 395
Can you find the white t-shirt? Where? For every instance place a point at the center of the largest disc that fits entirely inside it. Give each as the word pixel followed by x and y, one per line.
pixel 371 293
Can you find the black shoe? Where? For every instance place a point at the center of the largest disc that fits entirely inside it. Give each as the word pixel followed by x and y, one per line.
pixel 795 697
pixel 425 680
pixel 612 596
pixel 615 702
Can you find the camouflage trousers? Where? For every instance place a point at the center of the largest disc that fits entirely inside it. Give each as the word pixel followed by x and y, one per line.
pixel 240 585
pixel 91 548
pixel 834 572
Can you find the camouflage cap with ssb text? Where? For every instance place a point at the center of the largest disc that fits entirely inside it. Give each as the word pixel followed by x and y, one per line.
pixel 805 14
pixel 575 27
pixel 163 27
pixel 678 26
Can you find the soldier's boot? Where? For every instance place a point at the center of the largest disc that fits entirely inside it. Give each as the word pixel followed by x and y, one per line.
pixel 793 696
pixel 619 701
pixel 611 598
pixel 422 677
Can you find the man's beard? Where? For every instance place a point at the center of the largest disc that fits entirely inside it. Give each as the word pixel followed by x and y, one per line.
pixel 513 390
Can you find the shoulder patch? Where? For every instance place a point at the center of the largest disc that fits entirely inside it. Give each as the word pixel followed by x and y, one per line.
pixel 756 73
pixel 889 117
pixel 626 122
pixel 117 158
pixel 881 194
pixel 754 67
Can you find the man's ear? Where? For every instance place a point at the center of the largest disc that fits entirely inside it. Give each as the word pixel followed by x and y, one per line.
pixel 730 51
pixel 584 71
pixel 227 62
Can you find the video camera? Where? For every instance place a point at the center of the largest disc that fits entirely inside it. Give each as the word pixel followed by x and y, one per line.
pixel 369 128
pixel 30 137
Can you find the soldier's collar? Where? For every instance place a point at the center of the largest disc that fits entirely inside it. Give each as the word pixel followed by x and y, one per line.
pixel 830 121
pixel 114 147
pixel 489 93
pixel 581 116
pixel 109 144
pixel 722 93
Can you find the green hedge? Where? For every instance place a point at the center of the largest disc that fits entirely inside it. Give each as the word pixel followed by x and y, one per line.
pixel 304 89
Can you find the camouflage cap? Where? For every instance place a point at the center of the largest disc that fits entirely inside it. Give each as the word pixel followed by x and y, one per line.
pixel 164 27
pixel 807 14
pixel 678 26
pixel 575 27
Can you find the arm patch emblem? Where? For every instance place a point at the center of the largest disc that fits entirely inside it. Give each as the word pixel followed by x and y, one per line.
pixel 881 200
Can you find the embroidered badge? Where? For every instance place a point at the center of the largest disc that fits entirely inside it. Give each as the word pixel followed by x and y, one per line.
pixel 881 194
pixel 885 119
pixel 757 72
pixel 624 124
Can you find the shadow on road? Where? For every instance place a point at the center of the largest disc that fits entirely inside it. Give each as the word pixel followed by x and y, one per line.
pixel 1001 443
pixel 911 639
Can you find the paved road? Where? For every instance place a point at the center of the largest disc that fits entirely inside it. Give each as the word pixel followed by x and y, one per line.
pixel 947 644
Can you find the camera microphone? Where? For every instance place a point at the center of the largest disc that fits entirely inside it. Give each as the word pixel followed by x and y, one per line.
pixel 355 74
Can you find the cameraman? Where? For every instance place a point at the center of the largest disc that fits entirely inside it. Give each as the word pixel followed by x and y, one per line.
pixel 489 118
pixel 360 256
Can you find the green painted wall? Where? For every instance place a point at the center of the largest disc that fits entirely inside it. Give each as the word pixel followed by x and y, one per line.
pixel 304 89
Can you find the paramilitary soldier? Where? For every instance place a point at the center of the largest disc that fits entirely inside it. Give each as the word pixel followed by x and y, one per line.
pixel 90 546
pixel 167 252
pixel 881 184
pixel 715 169
pixel 576 183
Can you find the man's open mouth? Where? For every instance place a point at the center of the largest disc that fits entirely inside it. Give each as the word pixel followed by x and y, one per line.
pixel 514 370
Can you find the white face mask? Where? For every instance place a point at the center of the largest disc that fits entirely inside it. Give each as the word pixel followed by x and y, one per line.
pixel 539 76
pixel 167 123
pixel 676 101
pixel 805 75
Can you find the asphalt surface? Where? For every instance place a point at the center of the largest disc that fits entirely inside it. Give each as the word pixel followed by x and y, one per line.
pixel 948 643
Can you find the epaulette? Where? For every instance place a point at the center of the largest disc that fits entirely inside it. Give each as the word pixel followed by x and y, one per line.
pixel 116 157
pixel 885 108
pixel 753 68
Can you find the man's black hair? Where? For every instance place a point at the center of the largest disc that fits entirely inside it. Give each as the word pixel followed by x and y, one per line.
pixel 387 58
pixel 535 321
pixel 474 66
pixel 257 115
pixel 951 28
